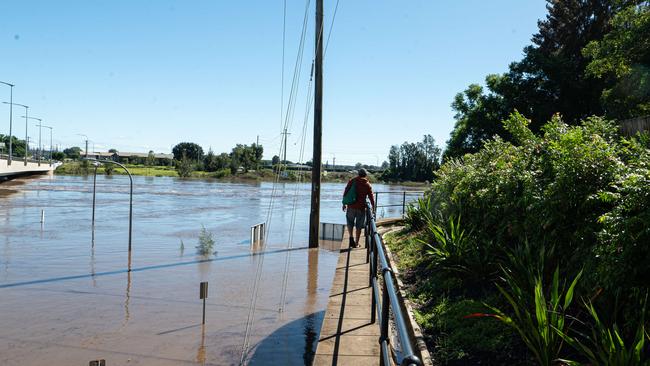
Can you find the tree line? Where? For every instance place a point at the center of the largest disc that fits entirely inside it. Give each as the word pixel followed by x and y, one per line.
pixel 189 156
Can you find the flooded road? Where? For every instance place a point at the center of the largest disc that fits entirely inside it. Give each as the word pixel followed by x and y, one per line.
pixel 65 301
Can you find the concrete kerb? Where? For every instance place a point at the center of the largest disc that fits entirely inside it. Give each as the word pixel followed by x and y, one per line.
pixel 385 227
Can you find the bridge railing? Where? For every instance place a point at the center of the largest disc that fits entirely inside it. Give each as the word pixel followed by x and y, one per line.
pixel 399 199
pixel 386 301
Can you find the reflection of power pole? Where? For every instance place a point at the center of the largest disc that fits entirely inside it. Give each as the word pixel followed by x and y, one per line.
pixel 285 133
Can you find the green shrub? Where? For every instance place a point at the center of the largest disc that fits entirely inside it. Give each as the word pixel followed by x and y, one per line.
pixel 184 167
pixel 537 320
pixel 605 346
pixel 222 173
pixel 206 242
pixel 419 213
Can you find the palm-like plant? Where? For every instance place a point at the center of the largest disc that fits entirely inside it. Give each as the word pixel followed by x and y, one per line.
pixel 605 346
pixel 539 324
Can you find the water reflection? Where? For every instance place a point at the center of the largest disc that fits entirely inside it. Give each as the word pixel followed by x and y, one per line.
pixel 127 297
pixel 310 331
pixel 200 353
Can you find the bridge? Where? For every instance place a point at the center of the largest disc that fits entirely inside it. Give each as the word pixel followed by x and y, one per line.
pixel 19 167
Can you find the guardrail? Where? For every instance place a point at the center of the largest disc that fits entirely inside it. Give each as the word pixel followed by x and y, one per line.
pixel 381 307
pixel 400 203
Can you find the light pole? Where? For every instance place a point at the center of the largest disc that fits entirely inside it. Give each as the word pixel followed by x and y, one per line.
pixel 130 197
pixel 50 143
pixel 81 134
pixel 26 111
pixel 11 110
pixel 40 147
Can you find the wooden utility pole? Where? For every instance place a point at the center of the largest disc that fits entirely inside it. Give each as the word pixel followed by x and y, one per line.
pixel 314 216
pixel 285 133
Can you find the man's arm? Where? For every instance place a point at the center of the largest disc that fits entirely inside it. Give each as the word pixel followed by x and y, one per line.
pixel 371 196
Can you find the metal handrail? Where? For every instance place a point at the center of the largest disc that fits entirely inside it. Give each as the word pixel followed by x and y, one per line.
pixel 402 193
pixel 376 256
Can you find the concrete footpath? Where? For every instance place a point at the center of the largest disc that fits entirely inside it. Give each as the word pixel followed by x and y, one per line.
pixel 347 336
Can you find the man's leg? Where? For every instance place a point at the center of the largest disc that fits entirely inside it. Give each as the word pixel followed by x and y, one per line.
pixel 358 236
pixel 351 232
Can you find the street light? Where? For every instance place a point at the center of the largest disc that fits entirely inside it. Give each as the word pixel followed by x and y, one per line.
pixel 81 134
pixel 26 108
pixel 50 143
pixel 95 161
pixel 40 147
pixel 11 110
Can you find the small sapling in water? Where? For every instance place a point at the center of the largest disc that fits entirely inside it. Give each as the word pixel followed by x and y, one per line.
pixel 206 242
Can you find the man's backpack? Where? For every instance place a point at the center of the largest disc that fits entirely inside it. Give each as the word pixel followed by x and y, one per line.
pixel 351 196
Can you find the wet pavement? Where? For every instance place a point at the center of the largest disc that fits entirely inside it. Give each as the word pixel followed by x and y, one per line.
pixel 64 301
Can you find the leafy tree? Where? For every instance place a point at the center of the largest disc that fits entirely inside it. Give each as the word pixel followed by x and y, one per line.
pixel 413 161
pixel 151 159
pixel 622 59
pixel 17 146
pixel 112 151
pixel 58 155
pixel 550 79
pixel 209 161
pixel 184 167
pixel 73 152
pixel 275 160
pixel 247 157
pixel 190 150
pixel 108 169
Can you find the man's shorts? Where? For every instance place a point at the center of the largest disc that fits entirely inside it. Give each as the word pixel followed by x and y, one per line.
pixel 356 217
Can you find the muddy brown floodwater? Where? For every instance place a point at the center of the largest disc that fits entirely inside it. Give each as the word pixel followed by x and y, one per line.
pixel 66 302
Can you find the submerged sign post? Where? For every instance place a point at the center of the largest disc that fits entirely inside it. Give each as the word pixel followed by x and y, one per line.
pixel 203 294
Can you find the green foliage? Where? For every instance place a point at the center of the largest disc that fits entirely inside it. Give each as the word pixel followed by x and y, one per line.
pixel 151 159
pixel 605 346
pixel 570 197
pixel 17 146
pixel 450 249
pixel 58 155
pixel 222 173
pixel 459 338
pixel 623 56
pixel 108 168
pixel 189 150
pixel 625 225
pixel 551 78
pixel 536 321
pixel 184 167
pixel 413 161
pixel 206 242
pixel 73 152
pixel 419 213
pixel 213 163
pixel 246 157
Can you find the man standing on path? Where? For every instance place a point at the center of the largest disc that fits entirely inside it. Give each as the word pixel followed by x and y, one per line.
pixel 356 206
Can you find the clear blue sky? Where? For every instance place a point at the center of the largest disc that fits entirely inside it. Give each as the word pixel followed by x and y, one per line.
pixel 144 75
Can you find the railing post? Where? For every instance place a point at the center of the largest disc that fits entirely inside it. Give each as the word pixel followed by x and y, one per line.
pixel 376 202
pixel 385 311
pixel 404 204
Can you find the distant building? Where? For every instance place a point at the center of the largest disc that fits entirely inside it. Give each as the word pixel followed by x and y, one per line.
pixel 132 157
